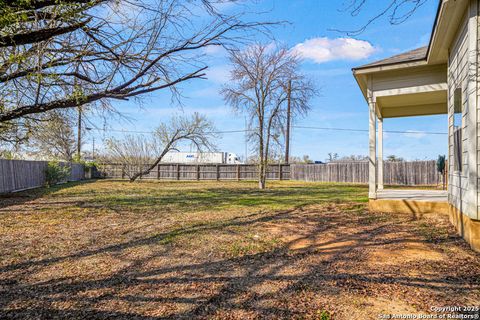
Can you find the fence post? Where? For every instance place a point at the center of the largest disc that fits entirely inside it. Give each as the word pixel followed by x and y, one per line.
pixel 238 172
pixel 178 171
pixel 445 176
pixel 12 170
pixel 158 171
pixel 280 172
pixel 198 172
pixel 218 172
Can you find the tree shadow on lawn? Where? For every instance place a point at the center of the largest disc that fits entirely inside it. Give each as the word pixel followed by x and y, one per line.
pixel 221 198
pixel 143 196
pixel 22 197
pixel 280 283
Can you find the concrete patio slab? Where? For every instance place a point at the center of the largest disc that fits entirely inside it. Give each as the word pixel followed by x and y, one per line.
pixel 416 195
pixel 410 201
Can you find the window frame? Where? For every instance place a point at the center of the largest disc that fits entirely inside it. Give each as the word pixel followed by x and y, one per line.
pixel 458 111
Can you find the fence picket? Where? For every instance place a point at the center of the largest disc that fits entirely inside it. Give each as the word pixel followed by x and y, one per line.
pixel 16 175
pixel 395 173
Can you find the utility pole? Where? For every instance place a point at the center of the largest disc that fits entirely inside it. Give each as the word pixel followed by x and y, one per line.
pixel 79 132
pixel 79 128
pixel 246 140
pixel 93 149
pixel 93 143
pixel 287 135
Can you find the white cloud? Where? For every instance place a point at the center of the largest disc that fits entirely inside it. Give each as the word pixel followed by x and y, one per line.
pixel 215 51
pixel 325 49
pixel 218 74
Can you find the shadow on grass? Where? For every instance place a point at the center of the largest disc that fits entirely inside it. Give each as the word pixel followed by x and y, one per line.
pixel 124 197
pixel 221 198
pixel 21 197
pixel 280 283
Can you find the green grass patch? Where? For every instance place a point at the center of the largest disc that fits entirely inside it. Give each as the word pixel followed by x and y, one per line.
pixel 432 232
pixel 206 195
pixel 251 245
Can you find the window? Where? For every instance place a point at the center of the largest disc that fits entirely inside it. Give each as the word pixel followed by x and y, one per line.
pixel 457 129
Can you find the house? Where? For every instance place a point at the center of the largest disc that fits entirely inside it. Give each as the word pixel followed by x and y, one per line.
pixel 441 78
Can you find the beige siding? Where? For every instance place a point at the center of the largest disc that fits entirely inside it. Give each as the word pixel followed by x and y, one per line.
pixel 476 78
pixel 457 78
pixel 463 191
pixel 413 77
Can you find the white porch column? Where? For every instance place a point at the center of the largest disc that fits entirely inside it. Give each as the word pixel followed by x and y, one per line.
pixel 372 166
pixel 380 154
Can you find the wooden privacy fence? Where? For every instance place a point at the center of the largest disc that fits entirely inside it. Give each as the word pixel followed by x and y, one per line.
pixel 412 173
pixel 354 172
pixel 394 173
pixel 16 175
pixel 199 171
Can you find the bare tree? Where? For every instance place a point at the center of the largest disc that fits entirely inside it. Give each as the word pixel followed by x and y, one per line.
pixel 259 88
pixel 352 158
pixel 13 134
pixel 133 152
pixel 54 136
pixel 332 157
pixel 396 11
pixel 66 53
pixel 394 158
pixel 141 154
pixel 306 159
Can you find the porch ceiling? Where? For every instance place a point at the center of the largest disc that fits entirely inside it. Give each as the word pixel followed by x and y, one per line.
pixel 413 104
pixel 409 91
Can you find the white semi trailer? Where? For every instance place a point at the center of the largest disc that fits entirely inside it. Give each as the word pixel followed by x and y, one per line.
pixel 201 157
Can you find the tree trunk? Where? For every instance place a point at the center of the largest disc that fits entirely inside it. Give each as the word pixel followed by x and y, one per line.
pixel 266 149
pixel 261 174
pixel 261 184
pixel 264 176
pixel 261 180
pixel 145 172
pixel 287 135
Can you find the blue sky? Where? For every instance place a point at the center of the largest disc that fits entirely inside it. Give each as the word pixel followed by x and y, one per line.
pixel 328 61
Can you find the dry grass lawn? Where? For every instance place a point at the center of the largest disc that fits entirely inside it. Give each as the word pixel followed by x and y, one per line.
pixel 223 250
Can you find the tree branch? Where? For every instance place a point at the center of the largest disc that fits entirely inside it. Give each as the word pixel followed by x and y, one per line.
pixel 38 35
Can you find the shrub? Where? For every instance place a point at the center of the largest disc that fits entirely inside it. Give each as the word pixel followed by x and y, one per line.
pixel 324 315
pixel 441 161
pixel 89 168
pixel 55 173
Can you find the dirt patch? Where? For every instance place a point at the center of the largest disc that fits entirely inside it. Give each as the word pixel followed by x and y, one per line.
pixel 407 252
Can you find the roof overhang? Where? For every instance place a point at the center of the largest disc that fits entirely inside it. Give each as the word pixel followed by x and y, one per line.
pixel 361 75
pixel 447 21
pixel 417 86
pixel 418 90
pixel 449 16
